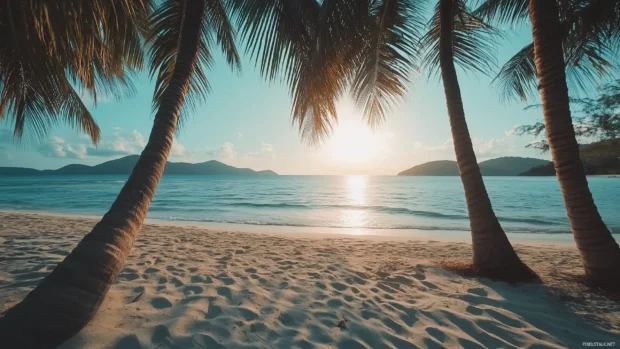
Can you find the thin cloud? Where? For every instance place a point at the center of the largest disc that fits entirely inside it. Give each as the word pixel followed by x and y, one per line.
pixel 227 151
pixel 123 143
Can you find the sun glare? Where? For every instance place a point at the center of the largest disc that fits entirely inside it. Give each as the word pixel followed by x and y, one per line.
pixel 356 195
pixel 354 143
pixel 357 189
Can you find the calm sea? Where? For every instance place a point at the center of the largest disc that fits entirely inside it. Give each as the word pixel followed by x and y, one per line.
pixel 523 205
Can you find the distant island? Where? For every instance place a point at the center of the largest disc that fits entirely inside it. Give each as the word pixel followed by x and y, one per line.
pixel 124 165
pixel 504 166
pixel 599 158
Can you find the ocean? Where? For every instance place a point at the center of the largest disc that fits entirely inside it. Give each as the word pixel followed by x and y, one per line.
pixel 524 205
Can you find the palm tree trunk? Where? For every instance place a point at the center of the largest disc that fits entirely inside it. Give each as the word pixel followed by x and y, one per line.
pixel 493 254
pixel 65 301
pixel 599 251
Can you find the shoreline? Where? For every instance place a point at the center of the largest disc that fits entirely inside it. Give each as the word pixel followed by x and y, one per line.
pixel 188 286
pixel 323 232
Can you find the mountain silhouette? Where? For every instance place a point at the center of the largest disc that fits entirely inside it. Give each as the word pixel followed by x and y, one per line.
pixel 124 165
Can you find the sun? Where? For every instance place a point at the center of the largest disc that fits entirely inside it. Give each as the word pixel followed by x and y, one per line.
pixel 353 142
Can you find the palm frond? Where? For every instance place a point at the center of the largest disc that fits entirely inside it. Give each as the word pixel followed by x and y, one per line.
pixel 503 11
pixel 387 57
pixel 588 61
pixel 164 36
pixel 50 46
pixel 591 47
pixel 325 71
pixel 518 76
pixel 595 18
pixel 78 116
pixel 311 46
pixel 473 42
pixel 323 48
pixel 97 41
pixel 218 23
pixel 277 34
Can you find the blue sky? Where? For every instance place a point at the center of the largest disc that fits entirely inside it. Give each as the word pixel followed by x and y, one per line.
pixel 246 122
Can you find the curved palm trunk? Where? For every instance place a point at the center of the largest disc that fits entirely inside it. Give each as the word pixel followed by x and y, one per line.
pixel 599 251
pixel 66 300
pixel 493 254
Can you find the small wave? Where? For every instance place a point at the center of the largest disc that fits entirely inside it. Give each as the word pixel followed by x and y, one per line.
pixel 533 221
pixel 268 205
pixel 377 227
pixel 385 209
pixel 294 224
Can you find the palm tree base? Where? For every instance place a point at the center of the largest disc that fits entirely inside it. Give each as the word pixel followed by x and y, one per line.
pixel 606 280
pixel 517 273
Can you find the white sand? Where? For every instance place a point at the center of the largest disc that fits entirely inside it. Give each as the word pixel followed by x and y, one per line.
pixel 212 289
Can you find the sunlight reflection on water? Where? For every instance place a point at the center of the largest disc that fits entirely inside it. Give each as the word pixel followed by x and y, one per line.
pixel 357 189
pixel 356 195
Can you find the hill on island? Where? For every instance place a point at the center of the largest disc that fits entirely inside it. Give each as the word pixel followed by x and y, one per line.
pixel 124 165
pixel 599 158
pixel 504 166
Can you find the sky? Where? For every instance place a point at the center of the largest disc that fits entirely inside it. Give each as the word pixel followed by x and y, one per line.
pixel 246 122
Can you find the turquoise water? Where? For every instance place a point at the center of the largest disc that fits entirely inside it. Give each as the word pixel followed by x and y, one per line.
pixel 523 205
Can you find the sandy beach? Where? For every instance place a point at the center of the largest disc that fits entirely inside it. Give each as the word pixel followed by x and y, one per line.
pixel 191 287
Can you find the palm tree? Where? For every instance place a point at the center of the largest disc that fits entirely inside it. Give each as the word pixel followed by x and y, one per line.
pixel 457 35
pixel 595 22
pixel 323 48
pixel 50 48
pixel 64 301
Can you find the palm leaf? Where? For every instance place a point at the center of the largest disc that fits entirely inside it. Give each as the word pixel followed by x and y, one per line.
pixel 323 48
pixel 277 34
pixel 97 41
pixel 596 18
pixel 310 46
pixel 518 76
pixel 388 56
pixel 503 11
pixel 590 47
pixel 588 61
pixel 164 37
pixel 473 42
pixel 51 46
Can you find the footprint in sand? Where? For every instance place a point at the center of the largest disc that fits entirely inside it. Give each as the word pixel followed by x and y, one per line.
pixel 473 310
pixel 177 282
pixel 350 343
pixel 436 333
pixel 478 291
pixel 128 342
pixel 430 285
pixel 225 292
pixel 393 325
pixel 247 314
pixel 160 303
pixel 334 303
pixel 213 311
pixel 339 286
pixel 128 276
pixel 225 279
pixel 189 290
pixel 319 335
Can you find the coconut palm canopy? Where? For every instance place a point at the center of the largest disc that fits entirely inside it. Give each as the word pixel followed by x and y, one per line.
pixel 321 50
pixel 53 52
pixel 591 44
pixel 377 81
